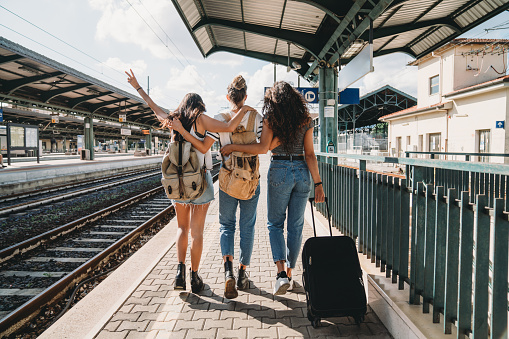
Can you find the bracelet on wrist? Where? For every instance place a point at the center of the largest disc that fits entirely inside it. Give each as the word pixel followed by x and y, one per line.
pixel 318 184
pixel 137 89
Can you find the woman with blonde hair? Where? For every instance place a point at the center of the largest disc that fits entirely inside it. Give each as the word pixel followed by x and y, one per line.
pixel 236 95
pixel 190 213
pixel 293 171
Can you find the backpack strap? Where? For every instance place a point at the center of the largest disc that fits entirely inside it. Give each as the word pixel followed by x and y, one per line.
pixel 251 121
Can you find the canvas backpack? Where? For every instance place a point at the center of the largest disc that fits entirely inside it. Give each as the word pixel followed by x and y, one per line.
pixel 239 175
pixel 183 177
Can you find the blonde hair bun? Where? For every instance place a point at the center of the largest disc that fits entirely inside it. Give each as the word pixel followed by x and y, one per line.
pixel 239 83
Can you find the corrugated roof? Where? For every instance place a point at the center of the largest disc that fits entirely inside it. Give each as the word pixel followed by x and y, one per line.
pixel 323 30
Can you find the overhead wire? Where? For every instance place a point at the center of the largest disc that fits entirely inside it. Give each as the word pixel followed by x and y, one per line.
pixel 73 47
pixel 166 45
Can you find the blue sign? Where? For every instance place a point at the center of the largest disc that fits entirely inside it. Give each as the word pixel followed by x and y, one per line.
pixel 500 124
pixel 310 94
pixel 349 96
pixel 1 114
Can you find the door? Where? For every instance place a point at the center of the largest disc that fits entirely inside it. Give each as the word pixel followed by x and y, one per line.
pixel 484 143
pixel 434 142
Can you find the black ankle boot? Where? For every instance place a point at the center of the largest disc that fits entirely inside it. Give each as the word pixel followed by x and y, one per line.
pixel 180 278
pixel 197 284
pixel 242 280
pixel 230 291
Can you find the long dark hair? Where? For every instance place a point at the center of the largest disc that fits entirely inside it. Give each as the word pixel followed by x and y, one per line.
pixel 188 110
pixel 286 112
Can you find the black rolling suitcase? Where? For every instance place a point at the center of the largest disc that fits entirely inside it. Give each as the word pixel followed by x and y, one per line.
pixel 332 277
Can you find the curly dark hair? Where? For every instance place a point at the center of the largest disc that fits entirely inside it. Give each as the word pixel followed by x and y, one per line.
pixel 188 110
pixel 286 112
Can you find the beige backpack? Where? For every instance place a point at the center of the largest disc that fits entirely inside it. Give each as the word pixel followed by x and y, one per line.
pixel 239 175
pixel 183 177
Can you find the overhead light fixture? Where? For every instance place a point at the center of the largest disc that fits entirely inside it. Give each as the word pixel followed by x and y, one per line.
pixel 354 49
pixel 296 65
pixel 30 69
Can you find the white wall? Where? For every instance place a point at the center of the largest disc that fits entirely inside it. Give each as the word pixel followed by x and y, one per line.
pixel 481 70
pixel 427 70
pixel 414 126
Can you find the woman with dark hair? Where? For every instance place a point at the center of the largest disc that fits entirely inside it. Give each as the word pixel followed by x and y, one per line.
pixel 236 95
pixel 288 131
pixel 190 213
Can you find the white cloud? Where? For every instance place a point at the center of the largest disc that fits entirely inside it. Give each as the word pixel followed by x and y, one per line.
pixel 122 22
pixel 138 66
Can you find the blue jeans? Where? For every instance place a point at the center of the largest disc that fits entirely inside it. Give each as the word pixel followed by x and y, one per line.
pixel 289 185
pixel 227 220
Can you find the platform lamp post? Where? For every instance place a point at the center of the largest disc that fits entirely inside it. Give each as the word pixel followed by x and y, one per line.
pixel 328 108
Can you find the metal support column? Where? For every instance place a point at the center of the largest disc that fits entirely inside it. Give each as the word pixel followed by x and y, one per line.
pixel 328 89
pixel 148 143
pixel 89 136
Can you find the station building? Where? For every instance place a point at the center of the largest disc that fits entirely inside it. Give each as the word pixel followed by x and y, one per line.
pixel 462 101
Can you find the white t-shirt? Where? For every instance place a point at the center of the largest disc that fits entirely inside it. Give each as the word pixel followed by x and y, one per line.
pixel 202 158
pixel 224 138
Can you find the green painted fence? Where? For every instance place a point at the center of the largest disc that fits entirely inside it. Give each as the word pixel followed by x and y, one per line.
pixel 442 233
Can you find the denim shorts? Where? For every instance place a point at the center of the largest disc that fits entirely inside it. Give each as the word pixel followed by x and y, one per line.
pixel 203 199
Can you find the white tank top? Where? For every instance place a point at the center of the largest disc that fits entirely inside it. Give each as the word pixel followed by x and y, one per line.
pixel 202 158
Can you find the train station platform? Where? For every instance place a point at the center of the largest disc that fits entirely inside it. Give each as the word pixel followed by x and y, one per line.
pixel 52 170
pixel 138 301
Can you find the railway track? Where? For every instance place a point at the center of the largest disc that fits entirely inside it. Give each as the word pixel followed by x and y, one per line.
pixel 41 270
pixel 23 201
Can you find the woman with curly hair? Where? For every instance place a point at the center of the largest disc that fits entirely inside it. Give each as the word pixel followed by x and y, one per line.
pixel 288 131
pixel 190 213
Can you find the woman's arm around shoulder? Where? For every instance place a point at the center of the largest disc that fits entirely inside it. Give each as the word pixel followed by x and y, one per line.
pixel 257 148
pixel 309 153
pixel 213 125
pixel 201 146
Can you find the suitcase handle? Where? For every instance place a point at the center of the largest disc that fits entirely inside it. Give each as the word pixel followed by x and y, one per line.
pixel 311 200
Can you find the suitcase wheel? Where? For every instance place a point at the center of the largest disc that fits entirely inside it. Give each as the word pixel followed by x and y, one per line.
pixel 358 319
pixel 315 322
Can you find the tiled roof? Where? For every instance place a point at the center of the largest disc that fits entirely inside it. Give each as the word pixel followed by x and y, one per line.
pixel 409 110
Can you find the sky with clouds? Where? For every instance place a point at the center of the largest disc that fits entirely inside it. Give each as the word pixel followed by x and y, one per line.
pixel 103 38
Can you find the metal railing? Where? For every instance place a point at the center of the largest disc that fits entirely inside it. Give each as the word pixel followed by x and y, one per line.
pixel 442 231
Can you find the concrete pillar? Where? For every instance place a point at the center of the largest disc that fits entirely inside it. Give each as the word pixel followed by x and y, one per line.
pixel 328 91
pixel 89 136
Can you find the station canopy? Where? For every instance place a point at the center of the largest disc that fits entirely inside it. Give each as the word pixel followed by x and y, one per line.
pixel 305 34
pixel 35 85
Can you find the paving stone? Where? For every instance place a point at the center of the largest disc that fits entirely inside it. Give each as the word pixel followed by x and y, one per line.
pixel 185 324
pixel 245 323
pixel 162 325
pixel 126 316
pixel 126 308
pixel 232 314
pixel 137 301
pixel 231 334
pixel 287 332
pixel 212 323
pixel 112 335
pixel 112 326
pixel 171 335
pixel 159 294
pixel 323 330
pixel 197 334
pixel 145 308
pixel 262 333
pixel 157 316
pixel 141 335
pixel 133 325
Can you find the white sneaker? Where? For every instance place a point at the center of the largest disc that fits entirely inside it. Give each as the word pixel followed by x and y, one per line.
pixel 293 284
pixel 282 284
